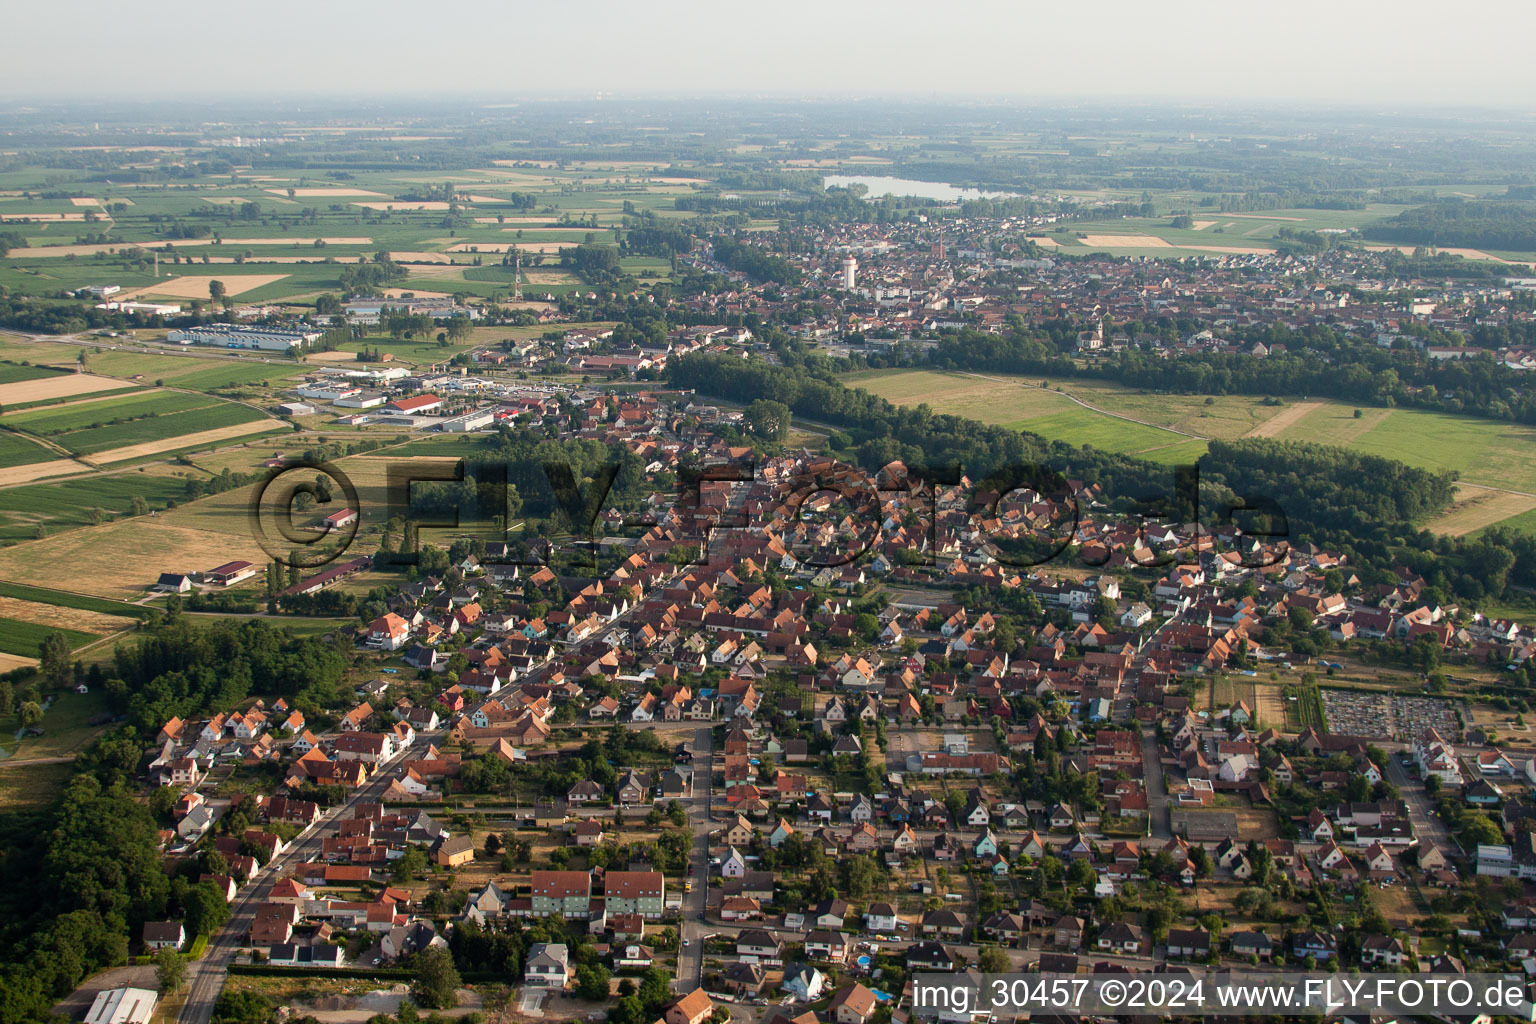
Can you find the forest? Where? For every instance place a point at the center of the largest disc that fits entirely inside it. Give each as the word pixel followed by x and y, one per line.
pixel 1477 224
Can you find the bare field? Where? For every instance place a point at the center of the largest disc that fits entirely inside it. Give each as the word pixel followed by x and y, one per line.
pixel 170 444
pixel 121 559
pixel 397 293
pixel 403 205
pixel 197 287
pixel 1140 241
pixel 39 470
pixel 64 618
pixel 1476 507
pixel 316 192
pixel 22 391
pixel 41 217
pixel 1269 705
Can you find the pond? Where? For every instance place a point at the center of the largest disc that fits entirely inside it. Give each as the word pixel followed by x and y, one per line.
pixel 880 185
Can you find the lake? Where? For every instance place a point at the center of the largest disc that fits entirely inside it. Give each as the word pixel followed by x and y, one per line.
pixel 879 185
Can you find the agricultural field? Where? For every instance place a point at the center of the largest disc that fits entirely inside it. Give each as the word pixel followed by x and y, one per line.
pixel 1210 233
pixel 44 507
pixel 121 559
pixel 26 638
pixel 10 373
pixel 120 424
pixel 253 243
pixel 64 599
pixel 1495 460
pixel 17 450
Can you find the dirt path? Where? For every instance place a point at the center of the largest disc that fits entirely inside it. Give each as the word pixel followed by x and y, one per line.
pixel 1273 426
pixel 18 762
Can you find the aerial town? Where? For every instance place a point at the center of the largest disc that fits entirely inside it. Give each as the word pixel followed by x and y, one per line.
pixel 674 553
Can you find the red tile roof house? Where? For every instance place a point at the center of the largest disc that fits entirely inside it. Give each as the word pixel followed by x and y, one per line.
pixel 388 632
pixel 852 1005
pixel 693 1008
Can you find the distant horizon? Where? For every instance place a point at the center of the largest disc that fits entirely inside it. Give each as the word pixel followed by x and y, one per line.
pixel 406 106
pixel 1405 56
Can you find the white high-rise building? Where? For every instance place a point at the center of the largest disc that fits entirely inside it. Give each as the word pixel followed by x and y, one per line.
pixel 850 272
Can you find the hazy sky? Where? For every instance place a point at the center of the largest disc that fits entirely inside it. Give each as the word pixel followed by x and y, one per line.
pixel 1346 52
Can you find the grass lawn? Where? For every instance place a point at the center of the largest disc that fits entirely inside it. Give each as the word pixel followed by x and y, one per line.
pixel 222 373
pixel 457 445
pixel 1525 522
pixel 1219 416
pixel 1487 452
pixel 65 731
pixel 310 627
pixel 30 787
pixel 1084 427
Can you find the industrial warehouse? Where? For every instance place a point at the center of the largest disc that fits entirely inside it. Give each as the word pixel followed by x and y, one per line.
pixel 242 336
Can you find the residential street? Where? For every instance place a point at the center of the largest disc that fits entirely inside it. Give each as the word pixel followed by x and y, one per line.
pixel 690 958
pixel 1421 809
pixel 1157 792
pixel 205 977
